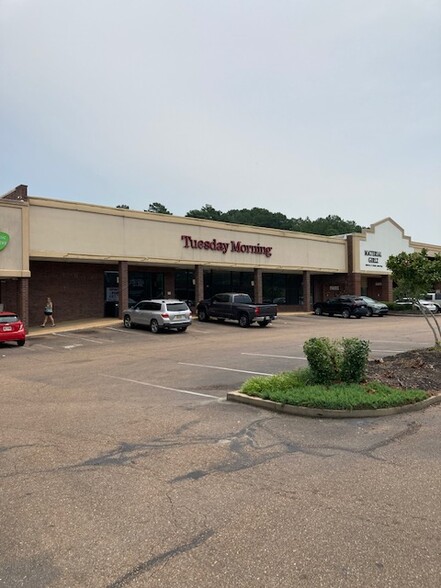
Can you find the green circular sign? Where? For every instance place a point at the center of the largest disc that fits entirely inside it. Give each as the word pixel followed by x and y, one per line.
pixel 4 240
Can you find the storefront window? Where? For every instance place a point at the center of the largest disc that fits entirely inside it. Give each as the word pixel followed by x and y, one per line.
pixel 145 285
pixel 184 287
pixel 216 281
pixel 282 288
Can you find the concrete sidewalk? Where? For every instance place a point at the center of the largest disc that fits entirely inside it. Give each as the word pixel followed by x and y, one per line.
pixel 91 323
pixel 96 323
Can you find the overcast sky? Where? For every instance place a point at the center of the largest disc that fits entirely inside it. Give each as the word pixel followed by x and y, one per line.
pixel 305 107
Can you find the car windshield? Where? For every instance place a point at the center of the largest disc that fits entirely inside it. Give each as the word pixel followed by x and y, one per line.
pixel 11 318
pixel 174 306
pixel 367 299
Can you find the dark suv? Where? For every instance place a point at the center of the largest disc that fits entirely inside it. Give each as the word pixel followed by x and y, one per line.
pixel 346 306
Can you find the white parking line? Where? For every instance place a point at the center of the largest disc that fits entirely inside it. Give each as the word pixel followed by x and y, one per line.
pixel 386 351
pixel 41 345
pixel 81 338
pixel 126 331
pixel 216 367
pixel 72 346
pixel 161 387
pixel 280 356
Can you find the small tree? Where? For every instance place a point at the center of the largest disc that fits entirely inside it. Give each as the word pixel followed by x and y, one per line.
pixel 415 274
pixel 158 208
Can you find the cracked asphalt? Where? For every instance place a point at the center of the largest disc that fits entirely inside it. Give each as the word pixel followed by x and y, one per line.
pixel 122 465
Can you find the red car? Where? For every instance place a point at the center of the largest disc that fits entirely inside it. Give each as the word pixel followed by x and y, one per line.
pixel 11 328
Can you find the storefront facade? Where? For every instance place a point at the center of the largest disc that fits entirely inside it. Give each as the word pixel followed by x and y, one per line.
pixel 94 261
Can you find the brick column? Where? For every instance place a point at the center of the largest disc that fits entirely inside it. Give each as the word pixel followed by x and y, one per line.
pixel 258 286
pixel 353 284
pixel 387 289
pixel 123 287
pixel 23 301
pixel 199 283
pixel 307 291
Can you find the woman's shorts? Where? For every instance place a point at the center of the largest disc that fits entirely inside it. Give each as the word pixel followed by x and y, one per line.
pixel 48 312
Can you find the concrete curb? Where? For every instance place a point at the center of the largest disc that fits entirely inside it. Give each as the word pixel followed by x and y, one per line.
pixel 327 413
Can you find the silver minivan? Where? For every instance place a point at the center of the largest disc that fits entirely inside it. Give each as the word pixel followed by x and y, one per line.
pixel 159 315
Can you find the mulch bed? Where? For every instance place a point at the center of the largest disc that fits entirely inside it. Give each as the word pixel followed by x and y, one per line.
pixel 417 369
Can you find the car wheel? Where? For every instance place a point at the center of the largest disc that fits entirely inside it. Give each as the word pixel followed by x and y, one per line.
pixel 264 323
pixel 318 311
pixel 358 316
pixel 244 321
pixel 128 322
pixel 202 315
pixel 345 313
pixel 370 312
pixel 21 342
pixel 154 326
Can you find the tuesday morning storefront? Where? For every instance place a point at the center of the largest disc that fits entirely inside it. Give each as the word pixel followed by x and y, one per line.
pixel 93 261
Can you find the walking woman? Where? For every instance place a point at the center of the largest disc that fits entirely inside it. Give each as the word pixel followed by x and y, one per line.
pixel 48 312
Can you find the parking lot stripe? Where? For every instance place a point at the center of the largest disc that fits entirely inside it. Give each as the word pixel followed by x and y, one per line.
pixel 216 367
pixel 70 336
pixel 268 355
pixel 162 387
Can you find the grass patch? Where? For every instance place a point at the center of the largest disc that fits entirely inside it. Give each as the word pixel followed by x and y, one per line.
pixel 295 388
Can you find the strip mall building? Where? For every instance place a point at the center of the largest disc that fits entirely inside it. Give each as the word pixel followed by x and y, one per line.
pixel 94 261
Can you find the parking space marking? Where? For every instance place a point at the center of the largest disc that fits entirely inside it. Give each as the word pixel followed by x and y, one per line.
pixel 279 356
pixel 41 345
pixel 72 346
pixel 82 338
pixel 126 331
pixel 386 351
pixel 216 367
pixel 161 387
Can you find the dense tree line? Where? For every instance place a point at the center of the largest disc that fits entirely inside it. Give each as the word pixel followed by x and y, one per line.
pixel 261 217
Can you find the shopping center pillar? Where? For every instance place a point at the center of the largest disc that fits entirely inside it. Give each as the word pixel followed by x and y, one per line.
pixel 198 283
pixel 307 291
pixel 258 287
pixel 387 289
pixel 23 301
pixel 354 284
pixel 123 287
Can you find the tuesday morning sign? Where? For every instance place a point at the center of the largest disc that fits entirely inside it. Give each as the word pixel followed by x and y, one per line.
pixel 224 247
pixel 4 240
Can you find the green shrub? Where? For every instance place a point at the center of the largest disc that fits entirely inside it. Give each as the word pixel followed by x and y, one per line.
pixel 344 360
pixel 324 359
pixel 400 307
pixel 355 359
pixel 264 387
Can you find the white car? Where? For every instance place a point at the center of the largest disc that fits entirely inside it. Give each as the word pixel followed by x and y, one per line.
pixel 425 304
pixel 159 315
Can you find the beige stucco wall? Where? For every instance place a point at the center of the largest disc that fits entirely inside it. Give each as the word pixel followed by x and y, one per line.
pixel 61 230
pixel 386 238
pixel 14 258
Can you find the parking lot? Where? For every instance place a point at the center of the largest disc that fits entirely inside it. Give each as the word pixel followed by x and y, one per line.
pixel 124 465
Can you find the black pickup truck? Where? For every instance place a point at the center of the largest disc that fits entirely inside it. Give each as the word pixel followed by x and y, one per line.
pixel 236 307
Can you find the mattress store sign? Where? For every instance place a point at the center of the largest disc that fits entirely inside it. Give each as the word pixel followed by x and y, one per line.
pixel 4 240
pixel 225 246
pixel 373 258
